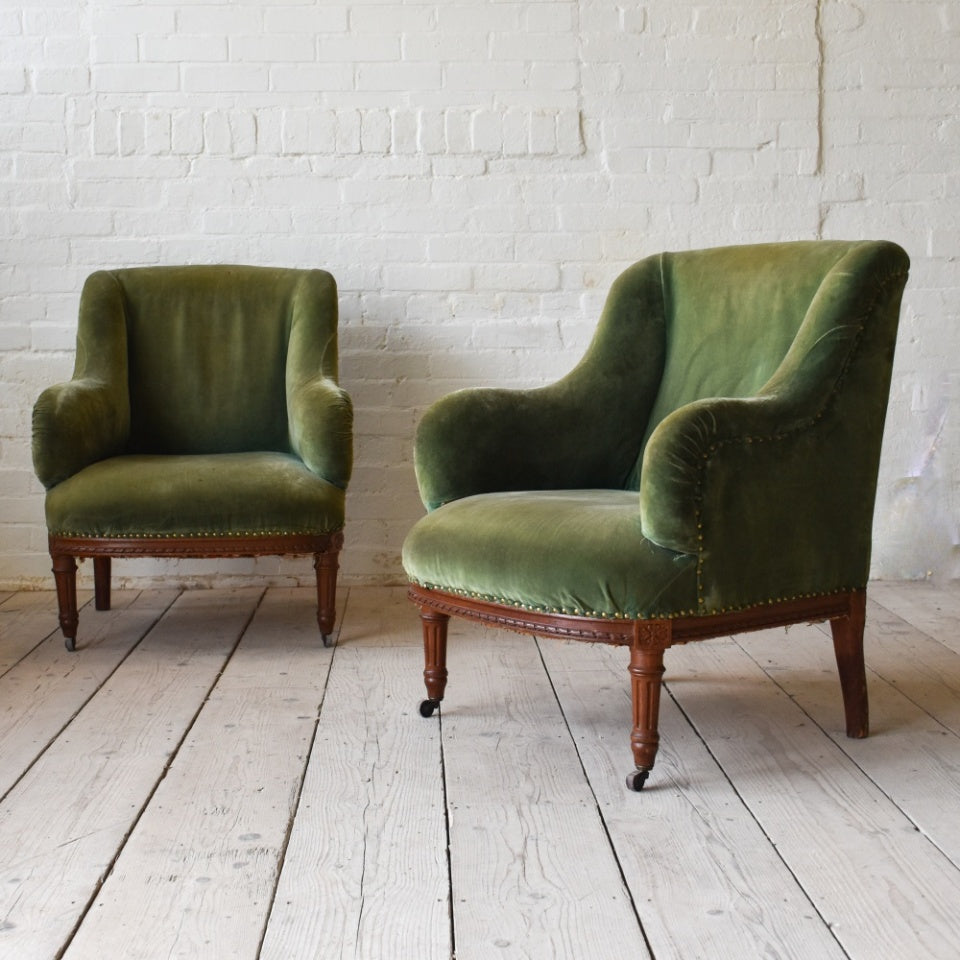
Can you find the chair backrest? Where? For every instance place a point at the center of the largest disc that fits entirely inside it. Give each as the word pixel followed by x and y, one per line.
pixel 207 354
pixel 731 314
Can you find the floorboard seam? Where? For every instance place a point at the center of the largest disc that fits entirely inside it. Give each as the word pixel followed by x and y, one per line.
pixel 98 886
pixel 596 803
pixel 40 642
pixel 73 716
pixel 838 745
pixel 446 827
pixel 281 859
pixel 749 810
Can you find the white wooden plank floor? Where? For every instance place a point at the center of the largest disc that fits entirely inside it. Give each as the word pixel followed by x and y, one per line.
pixel 202 779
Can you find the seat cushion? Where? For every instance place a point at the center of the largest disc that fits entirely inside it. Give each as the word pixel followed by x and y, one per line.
pixel 204 495
pixel 576 552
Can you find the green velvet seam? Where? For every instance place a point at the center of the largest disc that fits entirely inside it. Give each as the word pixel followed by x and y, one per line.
pixel 760 448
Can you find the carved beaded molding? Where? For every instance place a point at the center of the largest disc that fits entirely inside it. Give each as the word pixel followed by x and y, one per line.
pixel 196 545
pixel 626 617
pixel 647 630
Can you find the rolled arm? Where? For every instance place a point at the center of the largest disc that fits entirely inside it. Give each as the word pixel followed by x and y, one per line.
pixel 483 440
pixel 321 428
pixel 774 493
pixel 584 431
pixel 774 506
pixel 75 424
pixel 712 442
pixel 822 412
pixel 87 418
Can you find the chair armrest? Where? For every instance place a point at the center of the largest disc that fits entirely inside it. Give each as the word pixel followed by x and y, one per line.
pixel 584 431
pixel 482 440
pixel 774 504
pixel 75 424
pixel 321 428
pixel 684 456
pixel 87 418
pixel 774 493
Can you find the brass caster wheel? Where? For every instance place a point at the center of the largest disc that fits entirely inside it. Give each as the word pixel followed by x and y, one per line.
pixel 636 779
pixel 427 707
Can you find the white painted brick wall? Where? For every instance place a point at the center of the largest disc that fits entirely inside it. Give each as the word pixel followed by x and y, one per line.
pixel 474 175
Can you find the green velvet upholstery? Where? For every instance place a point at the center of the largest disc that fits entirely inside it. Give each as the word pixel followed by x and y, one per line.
pixel 237 494
pixel 204 402
pixel 716 448
pixel 534 549
pixel 582 432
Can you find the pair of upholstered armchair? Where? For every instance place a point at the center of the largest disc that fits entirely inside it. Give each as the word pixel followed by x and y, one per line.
pixel 708 467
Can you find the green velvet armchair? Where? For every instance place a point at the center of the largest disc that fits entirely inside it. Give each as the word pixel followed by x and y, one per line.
pixel 709 467
pixel 203 419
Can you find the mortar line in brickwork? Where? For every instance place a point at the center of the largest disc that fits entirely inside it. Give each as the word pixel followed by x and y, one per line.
pixel 818 32
pixel 578 26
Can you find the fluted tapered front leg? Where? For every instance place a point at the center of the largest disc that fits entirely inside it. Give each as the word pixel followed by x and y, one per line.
pixel 326 565
pixel 434 657
pixel 650 640
pixel 65 575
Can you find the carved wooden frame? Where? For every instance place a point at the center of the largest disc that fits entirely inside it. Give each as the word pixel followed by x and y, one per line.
pixel 648 641
pixel 65 551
